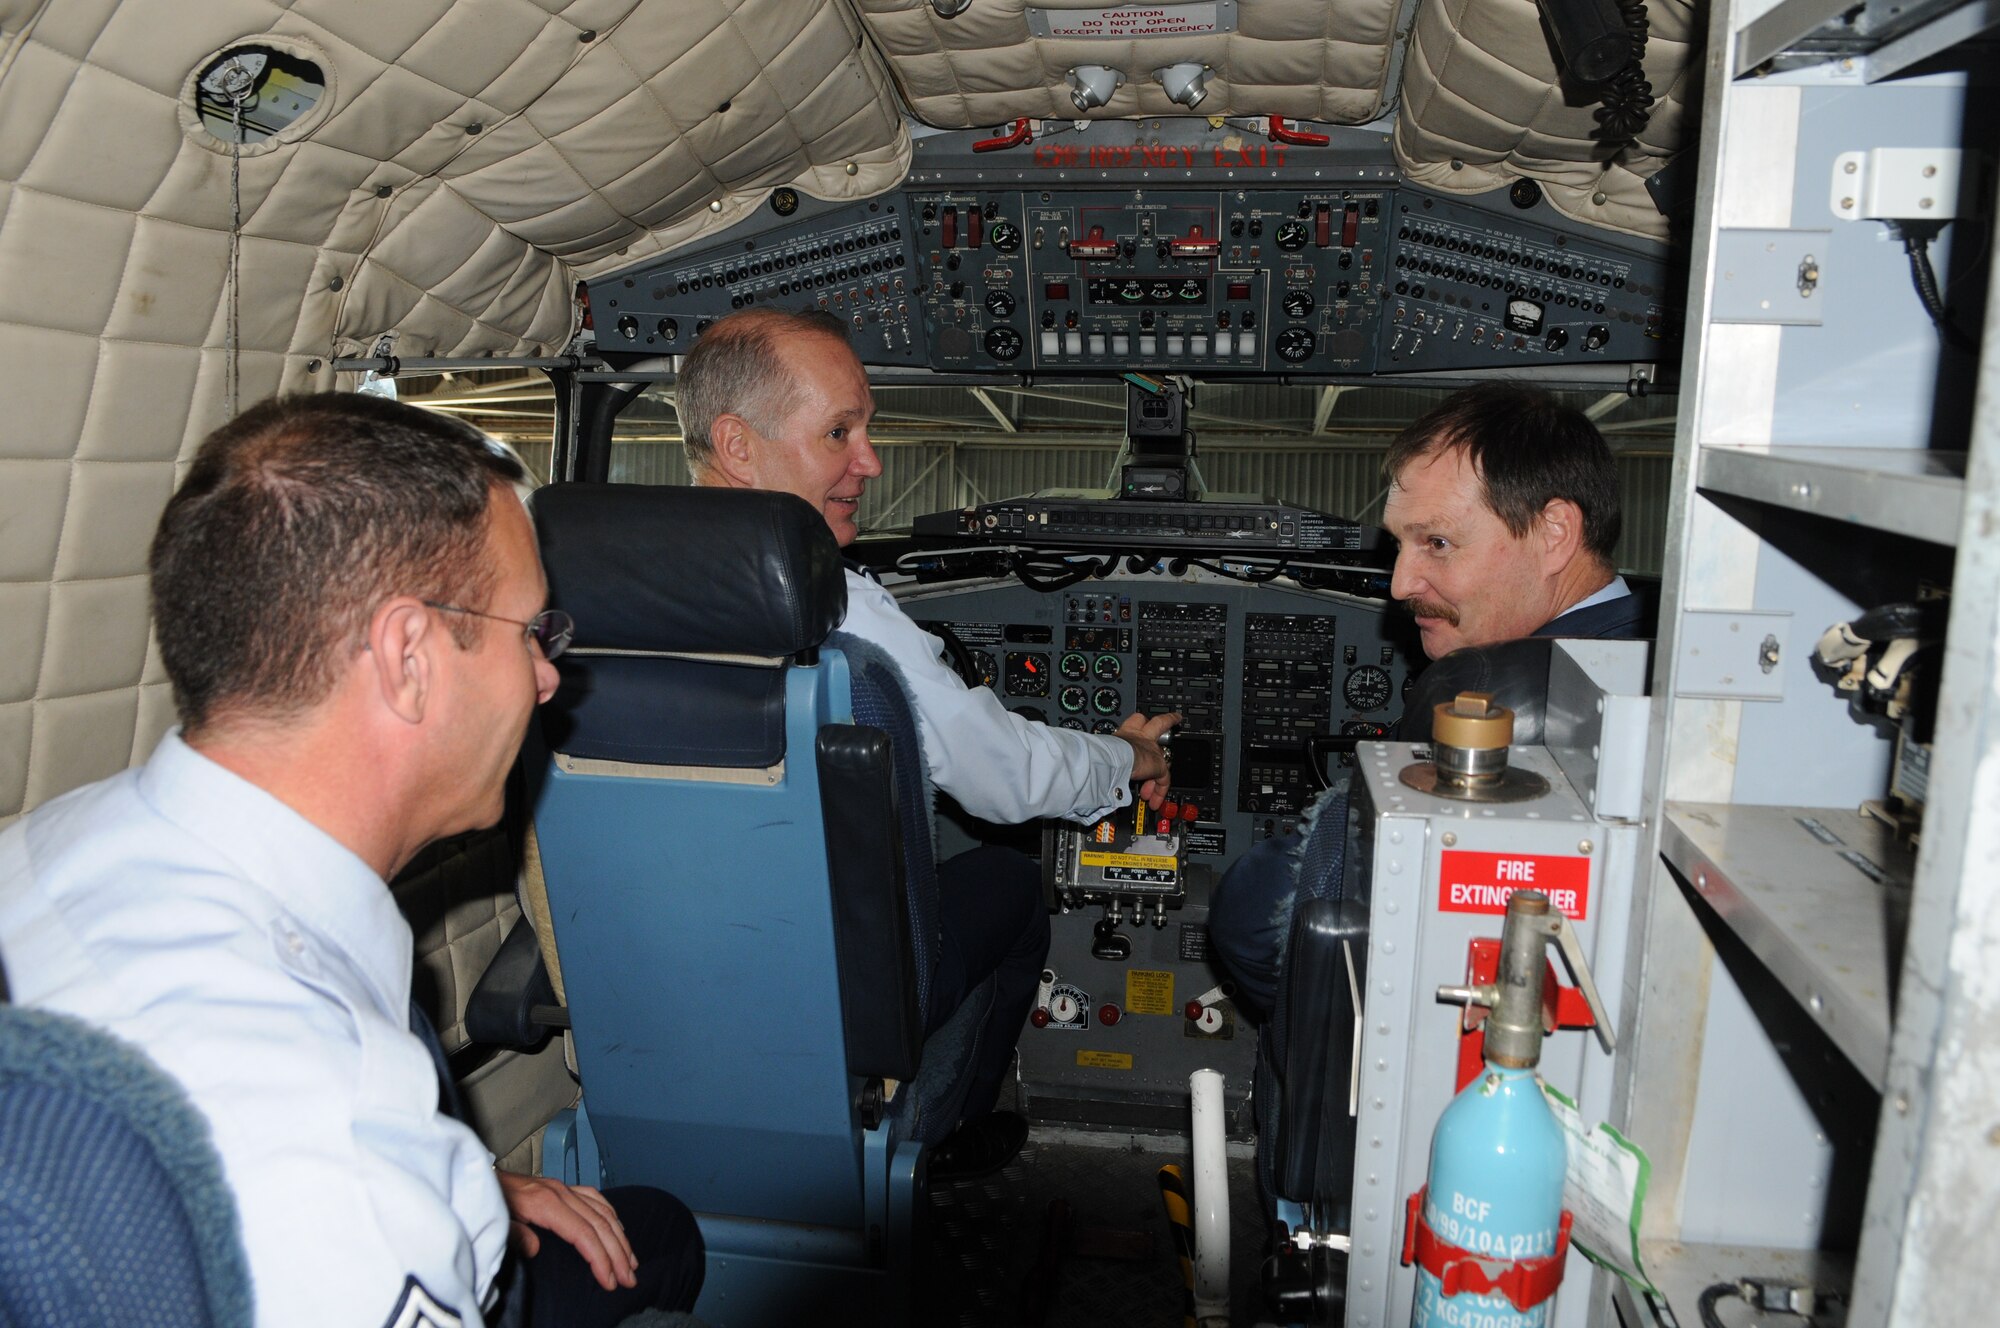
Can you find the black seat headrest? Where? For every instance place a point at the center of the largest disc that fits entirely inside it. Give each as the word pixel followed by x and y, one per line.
pixel 1515 672
pixel 695 570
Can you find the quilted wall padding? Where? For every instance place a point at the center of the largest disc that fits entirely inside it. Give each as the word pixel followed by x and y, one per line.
pixel 1482 106
pixel 1324 60
pixel 473 160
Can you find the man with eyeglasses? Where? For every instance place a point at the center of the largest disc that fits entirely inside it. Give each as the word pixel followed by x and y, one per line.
pixel 348 603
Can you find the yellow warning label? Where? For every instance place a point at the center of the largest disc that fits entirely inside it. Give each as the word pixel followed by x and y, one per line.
pixel 1149 991
pixel 1151 860
pixel 1104 1060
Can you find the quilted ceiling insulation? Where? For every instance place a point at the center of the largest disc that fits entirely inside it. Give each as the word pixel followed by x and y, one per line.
pixel 469 160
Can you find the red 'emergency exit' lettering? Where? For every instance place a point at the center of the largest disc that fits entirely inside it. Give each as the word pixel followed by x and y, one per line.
pixel 1481 882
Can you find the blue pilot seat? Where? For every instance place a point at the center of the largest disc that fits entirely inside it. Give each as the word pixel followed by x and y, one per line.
pixel 735 833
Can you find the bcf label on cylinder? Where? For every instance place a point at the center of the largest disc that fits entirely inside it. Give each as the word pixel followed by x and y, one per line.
pixel 1482 882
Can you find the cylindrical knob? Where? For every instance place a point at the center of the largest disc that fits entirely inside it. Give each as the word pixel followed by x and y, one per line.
pixel 1471 736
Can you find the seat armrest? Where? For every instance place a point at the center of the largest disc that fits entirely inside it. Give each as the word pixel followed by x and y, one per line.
pixel 514 1003
pixel 871 907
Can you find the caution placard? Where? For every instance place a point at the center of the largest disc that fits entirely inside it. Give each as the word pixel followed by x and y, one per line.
pixel 1152 860
pixel 1149 991
pixel 1104 1060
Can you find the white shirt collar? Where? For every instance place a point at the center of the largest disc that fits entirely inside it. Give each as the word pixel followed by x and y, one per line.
pixel 1616 589
pixel 312 876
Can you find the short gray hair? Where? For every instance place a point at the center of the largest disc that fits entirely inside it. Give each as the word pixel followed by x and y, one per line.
pixel 738 368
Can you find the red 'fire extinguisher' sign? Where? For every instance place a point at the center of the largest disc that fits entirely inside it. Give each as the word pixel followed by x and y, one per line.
pixel 1481 882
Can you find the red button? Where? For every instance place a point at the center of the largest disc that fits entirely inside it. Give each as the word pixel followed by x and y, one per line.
pixel 1169 810
pixel 1109 1015
pixel 1189 812
pixel 1040 1018
pixel 1192 1010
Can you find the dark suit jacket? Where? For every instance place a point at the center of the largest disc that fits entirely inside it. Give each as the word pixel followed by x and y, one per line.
pixel 1627 616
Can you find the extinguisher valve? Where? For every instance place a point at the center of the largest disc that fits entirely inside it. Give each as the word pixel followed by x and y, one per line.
pixel 1514 1027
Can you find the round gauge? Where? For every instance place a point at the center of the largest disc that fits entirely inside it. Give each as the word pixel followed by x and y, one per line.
pixel 999 303
pixel 1192 290
pixel 1072 697
pixel 1131 292
pixel 1368 687
pixel 1004 236
pixel 1295 344
pixel 1160 291
pixel 1071 722
pixel 989 672
pixel 1298 302
pixel 1104 726
pixel 1027 673
pixel 1363 728
pixel 1106 667
pixel 1003 342
pixel 1291 235
pixel 1072 665
pixel 1105 701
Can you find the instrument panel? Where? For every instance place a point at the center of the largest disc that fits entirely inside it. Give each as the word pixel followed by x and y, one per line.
pixel 1256 672
pixel 1324 265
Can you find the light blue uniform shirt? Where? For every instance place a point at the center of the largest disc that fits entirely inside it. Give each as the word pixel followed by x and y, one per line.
pixel 266 968
pixel 998 765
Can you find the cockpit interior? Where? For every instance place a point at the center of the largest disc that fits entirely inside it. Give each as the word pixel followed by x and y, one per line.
pixel 1144 292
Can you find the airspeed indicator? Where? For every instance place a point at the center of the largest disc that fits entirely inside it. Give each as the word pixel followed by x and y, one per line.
pixel 1368 687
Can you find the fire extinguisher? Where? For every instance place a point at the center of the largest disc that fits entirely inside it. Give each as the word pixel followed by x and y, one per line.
pixel 1488 1233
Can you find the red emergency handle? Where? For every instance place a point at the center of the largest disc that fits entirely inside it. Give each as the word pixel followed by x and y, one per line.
pixel 1281 132
pixel 1525 1283
pixel 1013 138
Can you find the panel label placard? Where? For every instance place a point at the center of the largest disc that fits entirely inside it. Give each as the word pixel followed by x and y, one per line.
pixel 1482 882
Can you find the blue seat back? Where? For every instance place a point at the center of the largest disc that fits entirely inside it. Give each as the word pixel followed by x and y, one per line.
pixel 742 881
pixel 113 1206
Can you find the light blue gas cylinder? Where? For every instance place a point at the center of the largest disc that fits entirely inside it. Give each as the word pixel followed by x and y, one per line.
pixel 1496 1189
pixel 1499 1157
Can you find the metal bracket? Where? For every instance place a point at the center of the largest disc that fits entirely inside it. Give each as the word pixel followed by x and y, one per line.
pixel 1903 184
pixel 1768 276
pixel 1731 656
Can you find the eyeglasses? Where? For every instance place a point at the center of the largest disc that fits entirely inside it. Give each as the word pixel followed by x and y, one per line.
pixel 551 630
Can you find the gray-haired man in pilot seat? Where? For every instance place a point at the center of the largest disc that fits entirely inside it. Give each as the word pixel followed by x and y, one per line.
pixel 776 400
pixel 350 606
